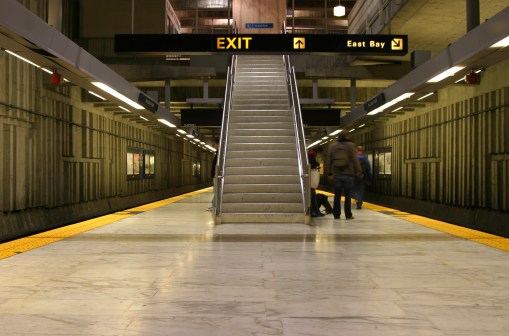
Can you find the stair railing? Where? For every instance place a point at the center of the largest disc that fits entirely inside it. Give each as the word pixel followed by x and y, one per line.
pixel 223 142
pixel 300 138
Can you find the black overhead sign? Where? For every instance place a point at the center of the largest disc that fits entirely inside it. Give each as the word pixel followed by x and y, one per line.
pixel 147 103
pixel 163 44
pixel 375 102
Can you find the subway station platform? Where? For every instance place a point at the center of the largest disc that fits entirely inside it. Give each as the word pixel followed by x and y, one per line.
pixel 166 269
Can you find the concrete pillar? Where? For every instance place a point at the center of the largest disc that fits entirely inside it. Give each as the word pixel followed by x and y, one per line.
pixel 473 14
pixel 55 14
pixel 353 93
pixel 206 88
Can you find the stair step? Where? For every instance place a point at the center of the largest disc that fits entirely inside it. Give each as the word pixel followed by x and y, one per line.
pixel 257 162
pixel 267 153
pixel 267 170
pixel 261 188
pixel 263 207
pixel 262 179
pixel 271 197
pixel 289 131
pixel 260 100
pixel 261 146
pixel 240 139
pixel 261 120
pixel 256 93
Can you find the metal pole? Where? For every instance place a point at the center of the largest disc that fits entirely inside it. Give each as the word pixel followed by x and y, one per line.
pixel 473 14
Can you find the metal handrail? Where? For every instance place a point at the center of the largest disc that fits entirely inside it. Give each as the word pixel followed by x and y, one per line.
pixel 300 138
pixel 223 143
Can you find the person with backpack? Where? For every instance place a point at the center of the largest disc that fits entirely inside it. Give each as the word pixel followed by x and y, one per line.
pixel 360 183
pixel 344 168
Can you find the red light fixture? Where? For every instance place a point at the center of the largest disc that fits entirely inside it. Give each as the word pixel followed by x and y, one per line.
pixel 56 78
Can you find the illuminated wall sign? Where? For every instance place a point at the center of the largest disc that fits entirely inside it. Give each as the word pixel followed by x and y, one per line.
pixel 165 44
pixel 259 25
pixel 231 43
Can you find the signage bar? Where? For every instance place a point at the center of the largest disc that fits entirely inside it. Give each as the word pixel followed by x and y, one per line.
pixel 163 44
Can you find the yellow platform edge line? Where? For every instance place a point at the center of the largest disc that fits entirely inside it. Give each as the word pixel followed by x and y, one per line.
pixel 480 237
pixel 25 244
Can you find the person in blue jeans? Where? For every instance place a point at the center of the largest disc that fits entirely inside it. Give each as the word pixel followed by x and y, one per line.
pixel 359 185
pixel 344 168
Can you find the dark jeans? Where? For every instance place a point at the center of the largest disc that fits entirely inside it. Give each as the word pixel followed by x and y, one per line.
pixel 343 185
pixel 358 191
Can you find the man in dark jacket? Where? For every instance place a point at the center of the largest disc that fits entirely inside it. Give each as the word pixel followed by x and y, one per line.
pixel 344 168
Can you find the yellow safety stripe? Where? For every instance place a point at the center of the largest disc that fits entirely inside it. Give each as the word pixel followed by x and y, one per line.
pixel 21 245
pixel 455 230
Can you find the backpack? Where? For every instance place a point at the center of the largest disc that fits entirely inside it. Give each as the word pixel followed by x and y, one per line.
pixel 340 158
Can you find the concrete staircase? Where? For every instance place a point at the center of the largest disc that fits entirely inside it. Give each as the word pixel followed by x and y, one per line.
pixel 262 180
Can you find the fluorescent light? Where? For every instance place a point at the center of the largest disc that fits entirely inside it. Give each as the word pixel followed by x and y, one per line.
pixel 362 125
pixel 353 129
pixel 314 143
pixel 404 96
pixel 166 122
pixel 189 136
pixel 123 108
pixel 502 43
pixel 399 108
pixel 447 73
pixel 181 131
pixel 47 70
pixel 196 140
pixel 22 58
pixel 142 117
pixel 336 132
pixel 339 11
pixel 426 96
pixel 118 95
pixel 325 138
pixel 95 94
pixel 392 102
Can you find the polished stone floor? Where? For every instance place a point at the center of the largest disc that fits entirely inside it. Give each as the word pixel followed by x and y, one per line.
pixel 171 271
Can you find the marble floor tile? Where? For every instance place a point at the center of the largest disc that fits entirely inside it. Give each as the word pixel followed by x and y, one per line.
pixel 171 271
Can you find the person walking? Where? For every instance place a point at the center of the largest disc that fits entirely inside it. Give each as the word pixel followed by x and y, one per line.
pixel 344 168
pixel 359 186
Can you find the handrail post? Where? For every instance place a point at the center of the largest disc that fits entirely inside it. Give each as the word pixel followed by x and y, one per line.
pixel 223 143
pixel 300 137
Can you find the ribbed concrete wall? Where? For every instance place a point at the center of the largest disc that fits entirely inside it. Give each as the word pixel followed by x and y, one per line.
pixel 64 160
pixel 452 155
